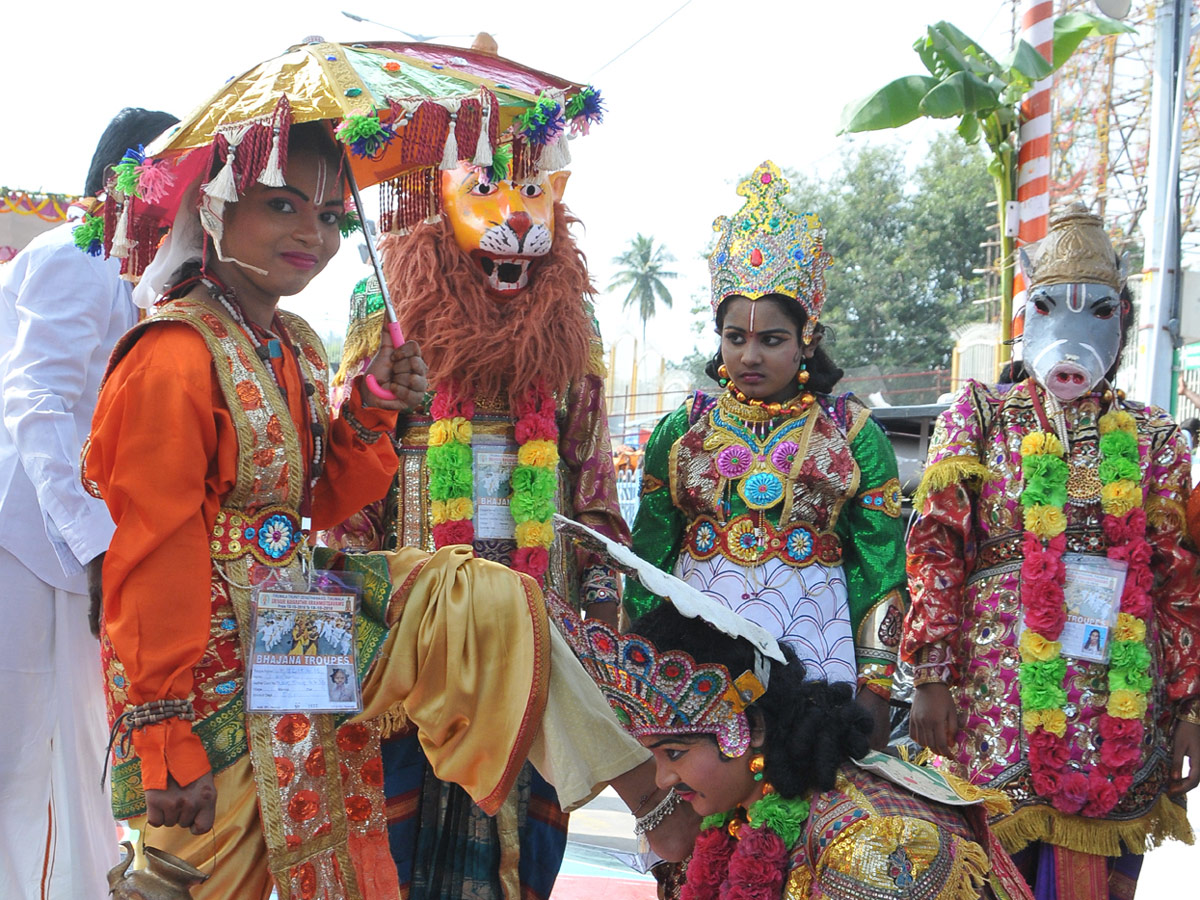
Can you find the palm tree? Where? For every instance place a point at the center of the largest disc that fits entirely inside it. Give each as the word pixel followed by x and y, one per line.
pixel 642 268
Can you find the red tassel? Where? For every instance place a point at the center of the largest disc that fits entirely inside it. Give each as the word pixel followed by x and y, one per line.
pixel 523 165
pixel 252 155
pixel 424 136
pixel 466 129
pixel 112 212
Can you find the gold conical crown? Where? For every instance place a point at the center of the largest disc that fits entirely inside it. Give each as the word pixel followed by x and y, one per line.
pixel 768 249
pixel 1076 250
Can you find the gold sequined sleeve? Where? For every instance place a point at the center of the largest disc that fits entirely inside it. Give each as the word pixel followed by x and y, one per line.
pixel 899 856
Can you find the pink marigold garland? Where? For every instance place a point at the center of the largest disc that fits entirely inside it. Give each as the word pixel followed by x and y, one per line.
pixel 534 480
pixel 1043 669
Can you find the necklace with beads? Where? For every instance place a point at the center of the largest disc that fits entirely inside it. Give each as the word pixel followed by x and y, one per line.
pixel 267 346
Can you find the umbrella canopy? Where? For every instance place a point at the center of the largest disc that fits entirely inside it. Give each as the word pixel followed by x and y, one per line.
pixel 403 111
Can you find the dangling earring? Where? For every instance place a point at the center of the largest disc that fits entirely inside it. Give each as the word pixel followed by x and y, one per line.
pixel 756 769
pixel 802 375
pixel 723 373
pixel 756 766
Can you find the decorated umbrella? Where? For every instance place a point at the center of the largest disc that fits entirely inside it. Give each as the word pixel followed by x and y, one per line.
pixel 404 111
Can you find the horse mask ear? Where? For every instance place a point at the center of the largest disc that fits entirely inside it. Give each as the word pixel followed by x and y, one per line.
pixel 558 183
pixel 1026 264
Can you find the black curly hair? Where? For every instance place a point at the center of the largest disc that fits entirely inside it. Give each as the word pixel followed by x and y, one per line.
pixel 823 374
pixel 811 727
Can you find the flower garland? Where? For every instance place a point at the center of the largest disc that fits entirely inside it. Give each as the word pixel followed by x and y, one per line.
pixel 744 855
pixel 1043 669
pixel 534 480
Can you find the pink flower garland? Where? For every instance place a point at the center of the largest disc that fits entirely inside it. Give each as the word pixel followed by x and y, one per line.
pixel 752 867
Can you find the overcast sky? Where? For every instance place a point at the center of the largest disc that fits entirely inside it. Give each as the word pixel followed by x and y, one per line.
pixel 712 92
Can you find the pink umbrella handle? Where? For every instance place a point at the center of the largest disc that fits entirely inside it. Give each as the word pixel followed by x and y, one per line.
pixel 372 384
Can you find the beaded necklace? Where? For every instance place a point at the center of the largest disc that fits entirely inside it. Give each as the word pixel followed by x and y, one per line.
pixel 267 351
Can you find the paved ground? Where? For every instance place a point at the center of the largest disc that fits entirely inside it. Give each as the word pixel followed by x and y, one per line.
pixel 600 834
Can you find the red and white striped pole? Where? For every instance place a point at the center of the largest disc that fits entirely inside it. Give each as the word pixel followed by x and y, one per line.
pixel 1033 159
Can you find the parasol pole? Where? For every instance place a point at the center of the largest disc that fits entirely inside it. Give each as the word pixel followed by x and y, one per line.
pixel 393 323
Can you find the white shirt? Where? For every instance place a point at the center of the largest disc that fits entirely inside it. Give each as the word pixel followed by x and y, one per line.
pixel 61 313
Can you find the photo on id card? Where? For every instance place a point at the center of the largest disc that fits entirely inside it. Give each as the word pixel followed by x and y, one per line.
pixel 304 657
pixel 1092 594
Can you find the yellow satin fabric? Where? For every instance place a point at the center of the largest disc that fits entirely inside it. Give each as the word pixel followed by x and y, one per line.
pixel 235 852
pixel 469 655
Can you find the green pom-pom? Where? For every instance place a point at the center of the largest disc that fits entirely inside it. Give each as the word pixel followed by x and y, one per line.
pixel 354 128
pixel 351 223
pixel 127 177
pixel 1041 684
pixel 501 163
pixel 1045 466
pixel 1131 680
pixel 1119 469
pixel 784 817
pixel 717 820
pixel 88 235
pixel 534 481
pixel 1044 491
pixel 525 507
pixel 1119 445
pixel 1129 656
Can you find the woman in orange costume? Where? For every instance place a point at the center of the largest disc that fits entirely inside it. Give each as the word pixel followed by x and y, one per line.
pixel 211 441
pixel 167 453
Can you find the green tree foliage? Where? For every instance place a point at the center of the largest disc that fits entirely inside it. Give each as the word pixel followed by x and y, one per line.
pixel 904 248
pixel 643 268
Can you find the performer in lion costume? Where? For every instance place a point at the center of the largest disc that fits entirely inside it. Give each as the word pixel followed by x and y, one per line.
pixel 498 296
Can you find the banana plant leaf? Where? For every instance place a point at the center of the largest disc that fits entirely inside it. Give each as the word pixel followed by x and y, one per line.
pixel 1074 28
pixel 960 94
pixel 891 106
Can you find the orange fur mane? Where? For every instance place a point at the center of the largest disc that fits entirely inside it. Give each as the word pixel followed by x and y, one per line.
pixel 492 348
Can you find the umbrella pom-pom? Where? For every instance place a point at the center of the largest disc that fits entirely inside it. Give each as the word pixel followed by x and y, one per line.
pixel 154 181
pixel 126 171
pixel 88 235
pixel 366 136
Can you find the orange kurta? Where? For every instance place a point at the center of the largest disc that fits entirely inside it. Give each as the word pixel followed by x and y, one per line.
pixel 164 455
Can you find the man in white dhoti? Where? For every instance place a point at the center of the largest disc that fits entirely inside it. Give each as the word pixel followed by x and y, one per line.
pixel 61 312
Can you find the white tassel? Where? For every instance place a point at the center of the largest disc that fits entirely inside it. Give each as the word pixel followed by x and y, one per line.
pixel 434 219
pixel 450 150
pixel 224 186
pixel 483 147
pixel 121 245
pixel 272 173
pixel 555 156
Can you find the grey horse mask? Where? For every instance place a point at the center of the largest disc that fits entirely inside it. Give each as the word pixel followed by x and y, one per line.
pixel 1073 310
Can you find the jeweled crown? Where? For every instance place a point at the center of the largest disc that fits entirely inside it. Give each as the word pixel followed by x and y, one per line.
pixel 768 249
pixel 653 692
pixel 1075 250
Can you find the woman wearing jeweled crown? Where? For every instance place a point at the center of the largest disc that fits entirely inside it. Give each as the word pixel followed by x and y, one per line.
pixel 795 805
pixel 777 497
pixel 1039 495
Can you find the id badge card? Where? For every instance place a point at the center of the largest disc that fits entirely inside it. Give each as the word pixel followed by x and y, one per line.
pixel 1092 592
pixel 304 657
pixel 493 461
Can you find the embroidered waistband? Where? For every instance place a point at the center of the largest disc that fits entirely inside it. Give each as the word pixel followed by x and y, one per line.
pixel 744 540
pixel 271 535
